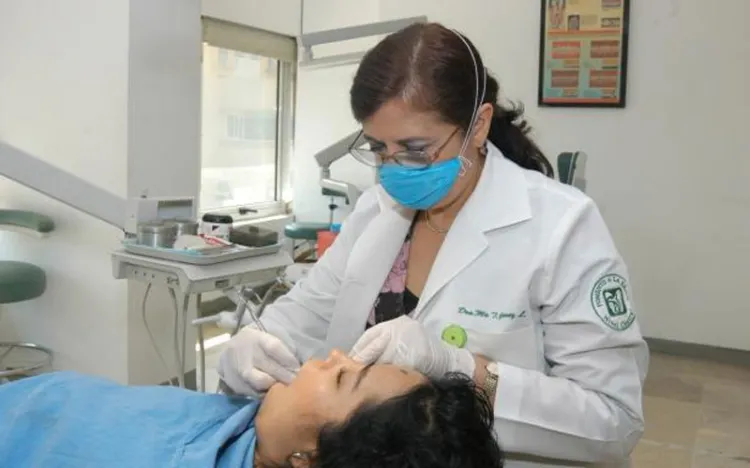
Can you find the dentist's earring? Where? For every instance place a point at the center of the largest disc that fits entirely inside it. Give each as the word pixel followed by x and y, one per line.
pixel 465 165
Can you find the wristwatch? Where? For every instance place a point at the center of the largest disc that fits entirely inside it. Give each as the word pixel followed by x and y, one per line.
pixel 490 380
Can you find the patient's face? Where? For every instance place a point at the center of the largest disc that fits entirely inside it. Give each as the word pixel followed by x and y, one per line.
pixel 331 390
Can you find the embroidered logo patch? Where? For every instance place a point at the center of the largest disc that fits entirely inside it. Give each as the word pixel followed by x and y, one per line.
pixel 611 302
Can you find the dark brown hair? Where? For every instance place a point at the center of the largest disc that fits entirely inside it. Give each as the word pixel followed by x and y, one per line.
pixel 443 423
pixel 430 67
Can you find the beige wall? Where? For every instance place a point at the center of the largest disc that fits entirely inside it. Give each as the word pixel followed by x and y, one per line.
pixel 669 172
pixel 111 94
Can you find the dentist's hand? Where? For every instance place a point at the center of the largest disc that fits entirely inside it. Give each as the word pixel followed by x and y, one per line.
pixel 255 360
pixel 404 342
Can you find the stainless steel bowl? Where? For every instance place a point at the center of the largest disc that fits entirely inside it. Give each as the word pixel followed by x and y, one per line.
pixel 184 226
pixel 157 234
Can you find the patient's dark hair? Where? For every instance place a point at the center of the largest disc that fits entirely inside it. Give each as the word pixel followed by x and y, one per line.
pixel 444 423
pixel 430 67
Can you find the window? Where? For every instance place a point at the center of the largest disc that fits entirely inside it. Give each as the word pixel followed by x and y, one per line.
pixel 247 119
pixel 253 126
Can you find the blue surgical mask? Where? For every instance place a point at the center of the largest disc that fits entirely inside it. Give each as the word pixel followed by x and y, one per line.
pixel 420 188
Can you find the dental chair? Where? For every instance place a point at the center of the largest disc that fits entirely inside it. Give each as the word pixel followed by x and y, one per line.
pixel 571 168
pixel 20 281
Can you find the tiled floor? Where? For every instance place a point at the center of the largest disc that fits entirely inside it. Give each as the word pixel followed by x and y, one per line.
pixel 697 413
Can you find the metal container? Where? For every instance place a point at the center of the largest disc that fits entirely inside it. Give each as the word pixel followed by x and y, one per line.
pixel 184 226
pixel 157 234
pixel 217 225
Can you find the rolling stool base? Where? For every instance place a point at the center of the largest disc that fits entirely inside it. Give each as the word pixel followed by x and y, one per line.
pixel 33 359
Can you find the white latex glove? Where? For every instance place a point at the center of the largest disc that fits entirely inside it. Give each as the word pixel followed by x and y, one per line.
pixel 404 342
pixel 254 360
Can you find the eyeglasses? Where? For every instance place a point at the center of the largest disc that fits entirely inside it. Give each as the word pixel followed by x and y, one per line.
pixel 417 159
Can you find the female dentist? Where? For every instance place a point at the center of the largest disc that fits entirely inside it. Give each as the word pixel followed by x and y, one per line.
pixel 467 257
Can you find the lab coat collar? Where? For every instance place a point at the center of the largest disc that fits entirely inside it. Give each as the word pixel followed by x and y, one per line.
pixel 501 198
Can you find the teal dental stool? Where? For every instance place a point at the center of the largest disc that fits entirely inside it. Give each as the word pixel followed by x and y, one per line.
pixel 571 168
pixel 20 281
pixel 307 232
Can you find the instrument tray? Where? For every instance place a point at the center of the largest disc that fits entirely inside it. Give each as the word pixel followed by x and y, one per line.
pixel 197 257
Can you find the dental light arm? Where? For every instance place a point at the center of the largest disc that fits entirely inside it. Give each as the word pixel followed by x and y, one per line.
pixel 82 195
pixel 49 180
pixel 308 59
pixel 331 154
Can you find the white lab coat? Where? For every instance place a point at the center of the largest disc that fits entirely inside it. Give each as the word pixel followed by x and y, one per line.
pixel 525 271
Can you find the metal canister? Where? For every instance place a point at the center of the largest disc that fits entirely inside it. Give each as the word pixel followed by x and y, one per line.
pixel 217 225
pixel 185 226
pixel 157 234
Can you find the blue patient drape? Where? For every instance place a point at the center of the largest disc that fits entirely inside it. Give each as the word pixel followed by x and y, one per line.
pixel 71 420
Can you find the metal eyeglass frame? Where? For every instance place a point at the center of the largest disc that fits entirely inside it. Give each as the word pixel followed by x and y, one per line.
pixel 398 156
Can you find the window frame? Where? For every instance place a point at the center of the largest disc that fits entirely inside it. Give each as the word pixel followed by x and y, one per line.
pixel 286 76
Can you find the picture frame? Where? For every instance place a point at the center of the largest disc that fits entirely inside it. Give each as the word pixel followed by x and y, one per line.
pixel 583 53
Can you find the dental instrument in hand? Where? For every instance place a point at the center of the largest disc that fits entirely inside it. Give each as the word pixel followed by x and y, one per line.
pixel 242 307
pixel 242 302
pixel 254 313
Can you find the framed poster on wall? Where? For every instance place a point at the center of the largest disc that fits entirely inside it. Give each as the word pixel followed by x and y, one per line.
pixel 583 55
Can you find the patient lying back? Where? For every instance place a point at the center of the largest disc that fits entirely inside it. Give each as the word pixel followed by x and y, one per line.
pixel 336 413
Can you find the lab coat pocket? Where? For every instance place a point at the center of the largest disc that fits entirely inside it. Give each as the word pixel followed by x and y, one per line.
pixel 518 347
